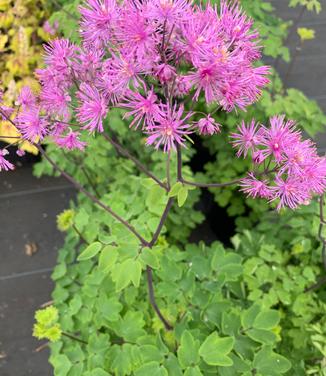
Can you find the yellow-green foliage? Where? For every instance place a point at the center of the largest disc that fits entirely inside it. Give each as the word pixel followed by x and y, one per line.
pixel 21 38
pixel 46 325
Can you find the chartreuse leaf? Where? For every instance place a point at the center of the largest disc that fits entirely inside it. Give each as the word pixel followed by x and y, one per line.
pixel 151 369
pixel 267 320
pixel 90 251
pixel 188 351
pixel 193 371
pixel 182 196
pixel 268 363
pixel 99 372
pixel 215 349
pixel 175 189
pixel 306 34
pixel 248 316
pixel 126 272
pixel 108 257
pixel 61 363
pixel 149 257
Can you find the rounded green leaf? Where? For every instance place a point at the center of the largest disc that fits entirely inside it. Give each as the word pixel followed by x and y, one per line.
pixel 151 369
pixel 188 351
pixel 214 350
pixel 90 251
pixel 182 196
pixel 267 320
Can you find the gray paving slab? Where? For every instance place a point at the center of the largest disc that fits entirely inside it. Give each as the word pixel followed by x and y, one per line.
pixel 27 219
pixel 312 48
pixel 284 11
pixel 20 297
pixel 307 75
pixel 29 222
pixel 20 180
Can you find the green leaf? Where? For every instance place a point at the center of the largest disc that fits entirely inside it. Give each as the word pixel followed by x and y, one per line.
pixel 110 308
pixel 175 189
pixel 126 272
pixel 99 372
pixel 269 363
pixel 248 317
pixel 90 251
pixel 151 369
pixel 182 196
pixel 149 257
pixel 306 34
pixel 267 320
pixel 108 257
pixel 262 336
pixel 214 350
pixel 61 363
pixel 193 371
pixel 188 352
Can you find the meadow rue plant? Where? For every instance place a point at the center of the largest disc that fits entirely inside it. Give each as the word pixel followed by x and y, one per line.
pixel 153 60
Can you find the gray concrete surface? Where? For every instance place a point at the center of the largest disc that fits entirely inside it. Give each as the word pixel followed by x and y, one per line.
pixel 27 221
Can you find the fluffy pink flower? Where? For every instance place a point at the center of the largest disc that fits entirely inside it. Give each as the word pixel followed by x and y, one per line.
pixel 31 124
pixel 254 187
pixel 206 79
pixel 71 141
pixel 135 33
pixel 246 139
pixel 291 192
pixel 208 126
pixel 55 102
pixel 278 137
pixel 168 11
pixel 122 73
pixel 92 109
pixel 59 54
pixel 165 72
pixel 98 20
pixel 4 164
pixel 26 98
pixel 50 29
pixel 169 128
pixel 143 109
pixel 236 29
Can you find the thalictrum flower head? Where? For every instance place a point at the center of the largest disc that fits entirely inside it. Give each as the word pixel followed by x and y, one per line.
pixel 254 187
pixel 93 108
pixel 98 20
pixel 4 164
pixel 144 109
pixel 170 128
pixel 26 97
pixel 246 139
pixel 31 124
pixel 208 126
pixel 71 141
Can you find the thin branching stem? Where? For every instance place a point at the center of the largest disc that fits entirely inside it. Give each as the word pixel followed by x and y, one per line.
pixel 122 151
pixel 152 298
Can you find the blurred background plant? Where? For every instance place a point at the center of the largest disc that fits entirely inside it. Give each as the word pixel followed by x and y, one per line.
pixel 24 27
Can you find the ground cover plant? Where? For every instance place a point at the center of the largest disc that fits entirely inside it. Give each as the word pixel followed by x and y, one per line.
pixel 130 230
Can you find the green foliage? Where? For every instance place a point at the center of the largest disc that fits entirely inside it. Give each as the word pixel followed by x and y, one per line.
pixel 306 34
pixel 311 5
pixel 198 289
pixel 47 325
pixel 65 219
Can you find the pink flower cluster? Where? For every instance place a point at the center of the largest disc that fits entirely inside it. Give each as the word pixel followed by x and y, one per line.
pixel 150 58
pixel 286 167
